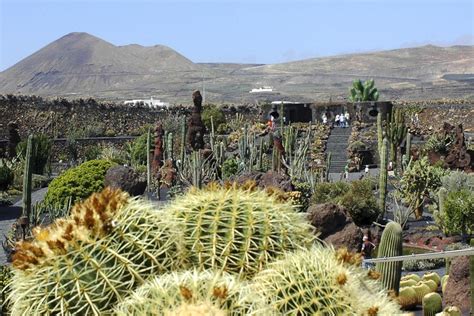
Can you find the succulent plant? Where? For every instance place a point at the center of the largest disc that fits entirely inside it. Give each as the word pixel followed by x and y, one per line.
pixel 390 246
pixel 407 298
pixel 432 276
pixel 444 282
pixel 450 311
pixel 411 276
pixel 432 284
pixel 432 304
pixel 407 283
pixel 320 281
pixel 421 290
pixel 84 263
pixel 193 293
pixel 238 230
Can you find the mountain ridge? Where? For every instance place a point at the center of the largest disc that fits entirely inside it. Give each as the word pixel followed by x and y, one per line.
pixel 82 64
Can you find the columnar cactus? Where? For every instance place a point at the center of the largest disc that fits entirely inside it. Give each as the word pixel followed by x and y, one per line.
pixel 183 140
pixel 193 293
pixel 86 262
pixel 390 246
pixel 432 304
pixel 328 166
pixel 383 178
pixel 444 282
pixel 379 133
pixel 148 160
pixel 317 282
pixel 408 146
pixel 238 230
pixel 27 182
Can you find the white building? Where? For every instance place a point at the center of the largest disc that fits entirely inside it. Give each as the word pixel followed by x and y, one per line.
pixel 264 89
pixel 151 103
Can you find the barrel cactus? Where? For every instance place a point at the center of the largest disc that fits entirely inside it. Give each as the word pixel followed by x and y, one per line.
pixel 411 276
pixel 407 298
pixel 450 311
pixel 432 276
pixel 432 284
pixel 432 304
pixel 317 282
pixel 390 246
pixel 84 263
pixel 238 230
pixel 421 290
pixel 193 293
pixel 407 282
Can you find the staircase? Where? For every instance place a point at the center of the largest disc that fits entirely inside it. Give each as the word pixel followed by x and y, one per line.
pixel 337 145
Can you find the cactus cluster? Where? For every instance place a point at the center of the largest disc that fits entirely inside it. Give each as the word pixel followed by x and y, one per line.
pixel 84 263
pixel 238 230
pixel 391 246
pixel 320 281
pixel 194 292
pixel 383 177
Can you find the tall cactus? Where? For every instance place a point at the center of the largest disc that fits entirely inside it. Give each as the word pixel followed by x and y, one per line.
pixel 396 132
pixel 408 146
pixel 328 166
pixel 148 160
pixel 379 133
pixel 183 140
pixel 383 178
pixel 390 246
pixel 169 146
pixel 27 184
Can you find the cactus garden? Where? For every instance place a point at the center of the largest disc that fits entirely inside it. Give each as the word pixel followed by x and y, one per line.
pixel 206 211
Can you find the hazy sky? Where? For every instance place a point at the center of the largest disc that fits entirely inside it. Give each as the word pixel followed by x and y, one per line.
pixel 250 31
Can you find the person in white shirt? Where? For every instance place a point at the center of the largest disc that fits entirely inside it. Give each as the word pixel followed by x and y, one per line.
pixel 342 120
pixel 346 115
pixel 337 120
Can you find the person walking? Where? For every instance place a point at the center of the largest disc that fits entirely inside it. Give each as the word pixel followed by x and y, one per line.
pixel 346 115
pixel 366 250
pixel 336 121
pixel 342 120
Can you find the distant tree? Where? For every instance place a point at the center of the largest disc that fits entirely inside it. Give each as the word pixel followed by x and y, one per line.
pixel 363 91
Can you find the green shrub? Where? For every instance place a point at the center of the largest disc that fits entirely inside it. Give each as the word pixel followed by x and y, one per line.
pixel 329 192
pixel 217 115
pixel 41 152
pixel 6 177
pixel 459 212
pixel 113 154
pixel 78 183
pixel 361 202
pixel 223 129
pixel 458 180
pixel 357 146
pixel 138 150
pixel 229 168
pixel 92 152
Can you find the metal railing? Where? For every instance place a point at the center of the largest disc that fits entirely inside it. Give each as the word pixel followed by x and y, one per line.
pixel 422 256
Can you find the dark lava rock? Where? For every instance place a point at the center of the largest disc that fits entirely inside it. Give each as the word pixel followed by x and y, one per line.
pixel 335 225
pixel 126 179
pixel 458 289
pixel 268 179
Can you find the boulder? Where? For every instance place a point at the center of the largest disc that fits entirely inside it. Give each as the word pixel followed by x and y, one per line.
pixel 350 237
pixel 458 289
pixel 335 226
pixel 126 179
pixel 328 218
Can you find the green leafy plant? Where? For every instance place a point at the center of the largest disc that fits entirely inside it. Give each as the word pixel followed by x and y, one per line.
pixel 217 115
pixel 417 181
pixel 459 212
pixel 360 202
pixel 78 182
pixel 138 150
pixel 360 92
pixel 329 191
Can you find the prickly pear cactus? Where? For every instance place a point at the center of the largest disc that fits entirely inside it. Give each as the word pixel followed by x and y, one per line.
pixel 320 282
pixel 432 304
pixel 84 263
pixel 238 230
pixel 194 293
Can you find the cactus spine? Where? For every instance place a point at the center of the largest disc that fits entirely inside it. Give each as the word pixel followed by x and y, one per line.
pixel 432 304
pixel 383 178
pixel 27 184
pixel 390 246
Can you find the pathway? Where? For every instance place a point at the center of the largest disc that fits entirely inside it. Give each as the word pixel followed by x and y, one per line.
pixel 337 145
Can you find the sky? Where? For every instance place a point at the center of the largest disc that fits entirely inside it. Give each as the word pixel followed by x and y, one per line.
pixel 245 31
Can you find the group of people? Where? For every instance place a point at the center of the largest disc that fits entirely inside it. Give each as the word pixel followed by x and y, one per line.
pixel 341 120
